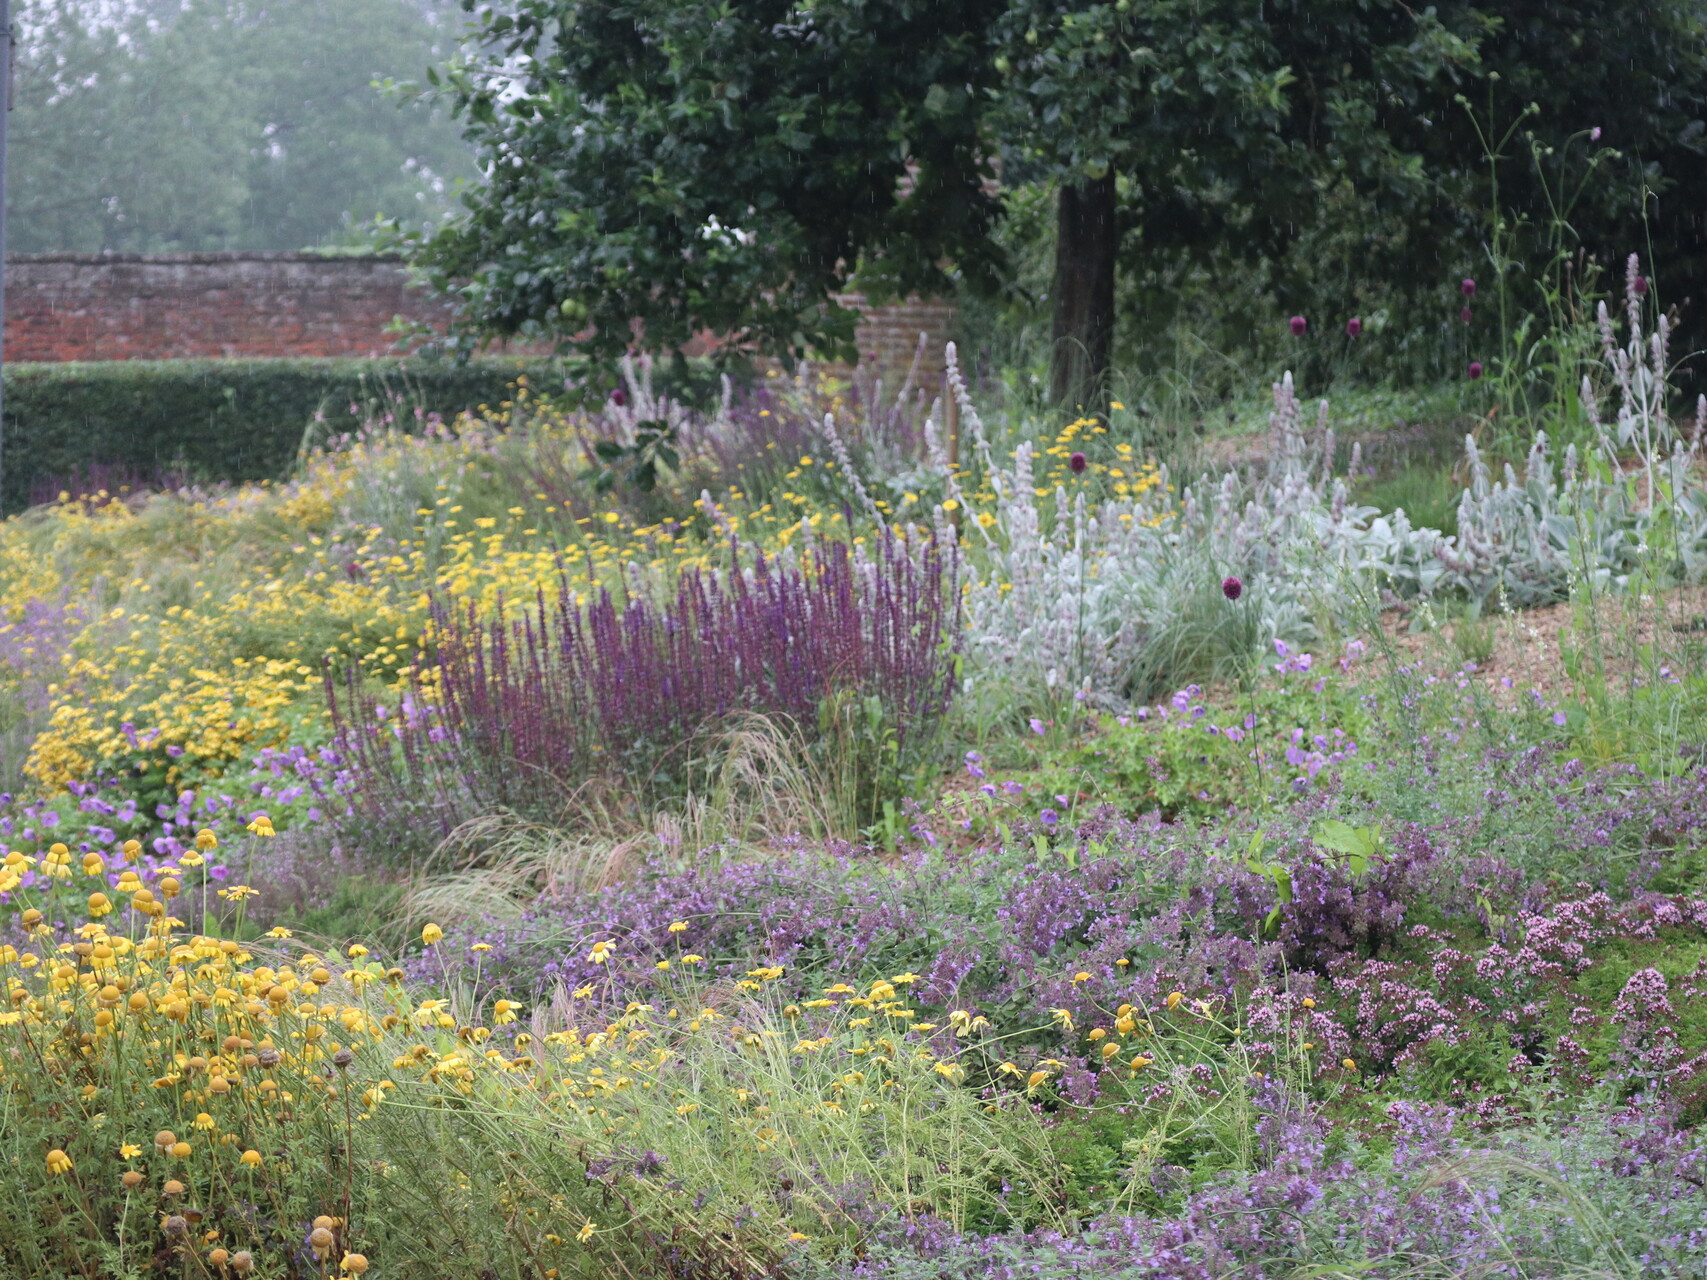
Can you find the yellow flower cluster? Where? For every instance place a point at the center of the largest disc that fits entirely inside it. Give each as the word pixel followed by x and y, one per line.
pixel 204 622
pixel 190 1084
pixel 240 1059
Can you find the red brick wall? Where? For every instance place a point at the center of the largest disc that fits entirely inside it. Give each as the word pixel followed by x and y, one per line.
pixel 63 306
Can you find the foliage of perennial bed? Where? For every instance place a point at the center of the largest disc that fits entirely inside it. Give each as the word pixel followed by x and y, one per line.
pixel 793 841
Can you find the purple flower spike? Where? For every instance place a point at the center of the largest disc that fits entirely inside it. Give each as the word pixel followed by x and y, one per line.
pixel 1232 588
pixel 1467 287
pixel 1475 370
pixel 1298 324
pixel 1077 463
pixel 1353 327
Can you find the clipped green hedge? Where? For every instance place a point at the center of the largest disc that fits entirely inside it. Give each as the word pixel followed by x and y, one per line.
pixel 218 419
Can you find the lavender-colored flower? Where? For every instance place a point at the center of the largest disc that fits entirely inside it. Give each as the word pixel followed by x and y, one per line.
pixel 1077 463
pixel 1298 325
pixel 1048 817
pixel 1594 134
pixel 1037 726
pixel 1353 327
pixel 1475 370
pixel 1232 588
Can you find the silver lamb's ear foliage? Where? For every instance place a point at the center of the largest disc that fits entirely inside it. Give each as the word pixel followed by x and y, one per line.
pixel 844 460
pixel 1092 592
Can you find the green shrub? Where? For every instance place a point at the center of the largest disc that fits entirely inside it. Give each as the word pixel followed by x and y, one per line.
pixel 218 419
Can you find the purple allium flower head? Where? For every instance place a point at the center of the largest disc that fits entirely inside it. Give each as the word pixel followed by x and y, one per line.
pixel 1467 287
pixel 1640 285
pixel 1464 315
pixel 1232 588
pixel 1475 370
pixel 1353 327
pixel 1594 134
pixel 1077 463
pixel 1298 324
pixel 619 397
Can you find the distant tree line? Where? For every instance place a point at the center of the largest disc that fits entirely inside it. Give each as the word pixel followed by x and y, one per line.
pixel 161 125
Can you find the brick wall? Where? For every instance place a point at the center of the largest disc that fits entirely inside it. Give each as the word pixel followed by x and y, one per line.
pixel 63 306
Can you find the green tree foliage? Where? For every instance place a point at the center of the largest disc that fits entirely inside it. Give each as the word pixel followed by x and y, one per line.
pixel 223 124
pixel 720 166
pixel 1204 125
pixel 732 165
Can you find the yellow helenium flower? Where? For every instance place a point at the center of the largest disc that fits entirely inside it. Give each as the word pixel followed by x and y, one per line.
pixel 432 935
pixel 259 825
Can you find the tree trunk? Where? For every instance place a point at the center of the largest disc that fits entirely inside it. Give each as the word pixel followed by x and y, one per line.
pixel 1085 242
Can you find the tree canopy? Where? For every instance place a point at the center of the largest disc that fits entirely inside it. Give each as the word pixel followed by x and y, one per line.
pixel 733 166
pixel 721 166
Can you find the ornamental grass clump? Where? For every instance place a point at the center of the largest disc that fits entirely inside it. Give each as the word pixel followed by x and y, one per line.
pixel 853 648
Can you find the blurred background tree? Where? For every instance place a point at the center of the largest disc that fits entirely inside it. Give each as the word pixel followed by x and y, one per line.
pixel 175 125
